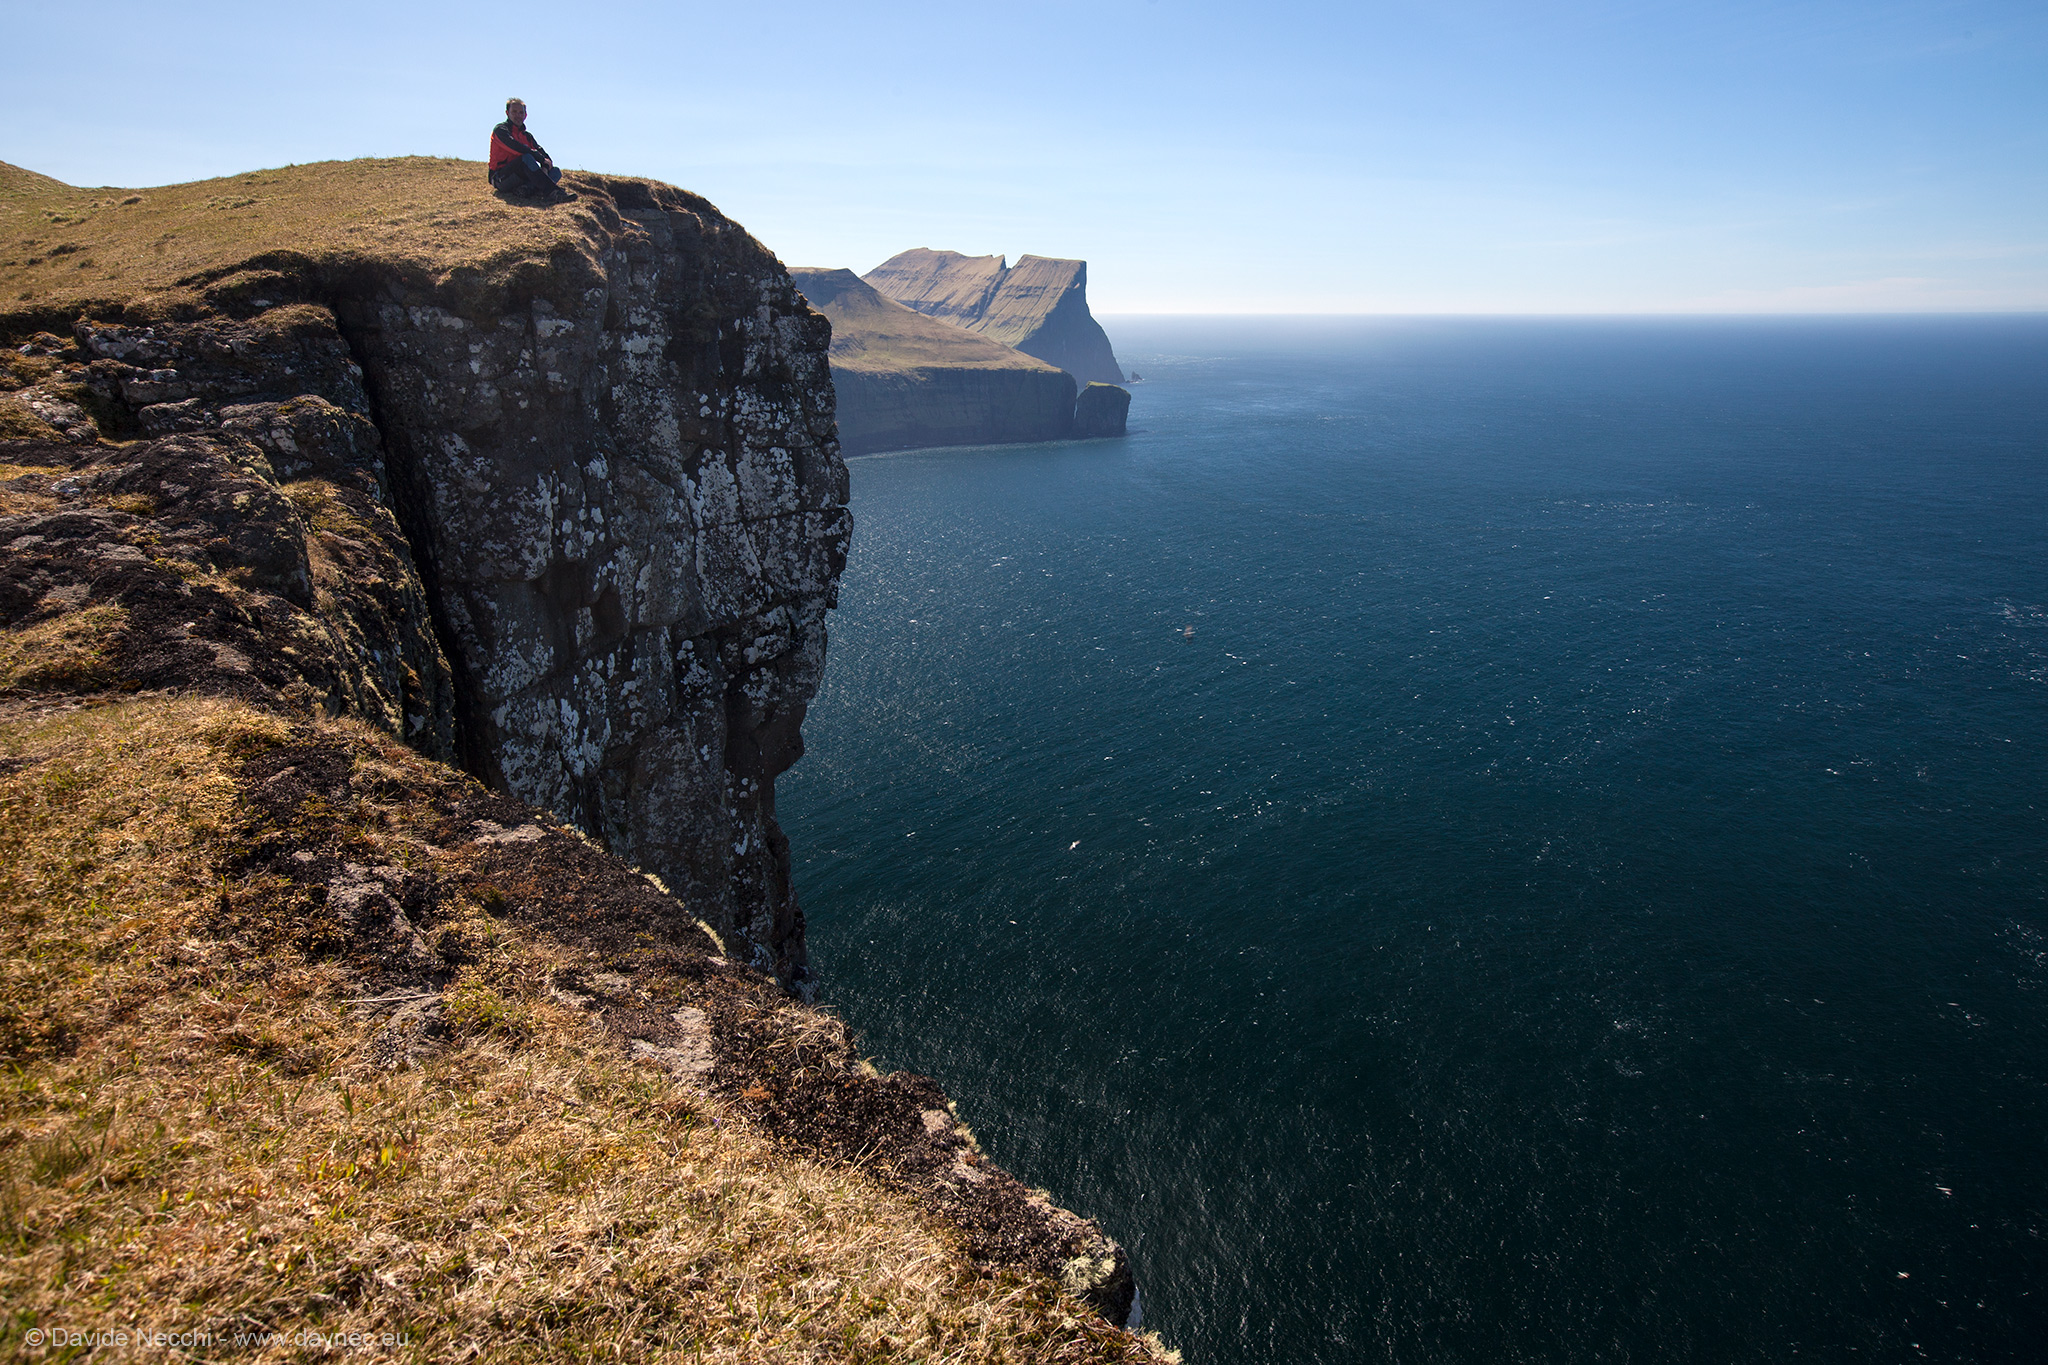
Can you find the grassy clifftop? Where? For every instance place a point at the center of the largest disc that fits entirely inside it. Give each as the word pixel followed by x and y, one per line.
pixel 302 1031
pixel 147 254
pixel 223 1115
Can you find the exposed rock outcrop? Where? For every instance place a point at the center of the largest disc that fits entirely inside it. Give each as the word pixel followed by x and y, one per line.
pixel 598 441
pixel 552 493
pixel 190 562
pixel 1039 306
pixel 1101 410
pixel 905 380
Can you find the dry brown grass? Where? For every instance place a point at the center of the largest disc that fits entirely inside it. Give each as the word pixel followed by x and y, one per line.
pixel 323 511
pixel 24 489
pixel 18 371
pixel 195 1136
pixel 141 253
pixel 19 423
pixel 68 653
pixel 874 333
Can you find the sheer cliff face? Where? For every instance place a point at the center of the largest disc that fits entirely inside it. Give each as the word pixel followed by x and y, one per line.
pixel 1039 305
pixel 635 514
pixel 552 492
pixel 1102 410
pixel 574 511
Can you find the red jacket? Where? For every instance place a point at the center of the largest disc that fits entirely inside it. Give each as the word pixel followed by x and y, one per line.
pixel 510 141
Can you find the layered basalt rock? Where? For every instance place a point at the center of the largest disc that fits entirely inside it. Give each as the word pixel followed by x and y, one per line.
pixel 1039 306
pixel 560 489
pixel 246 546
pixel 904 380
pixel 189 563
pixel 636 508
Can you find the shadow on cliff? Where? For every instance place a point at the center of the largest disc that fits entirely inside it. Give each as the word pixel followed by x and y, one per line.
pixel 603 430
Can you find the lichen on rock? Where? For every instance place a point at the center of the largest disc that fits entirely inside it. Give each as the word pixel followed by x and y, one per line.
pixel 636 528
pixel 556 495
pixel 565 493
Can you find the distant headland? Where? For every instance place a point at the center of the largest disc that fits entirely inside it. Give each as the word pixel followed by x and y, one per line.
pixel 935 348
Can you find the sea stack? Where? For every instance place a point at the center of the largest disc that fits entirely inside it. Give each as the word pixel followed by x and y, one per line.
pixel 1101 410
pixel 1039 306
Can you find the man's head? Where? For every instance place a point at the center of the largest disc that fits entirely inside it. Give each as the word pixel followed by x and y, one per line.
pixel 515 109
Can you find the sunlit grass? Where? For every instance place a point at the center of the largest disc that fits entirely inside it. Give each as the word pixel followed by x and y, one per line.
pixel 194 1133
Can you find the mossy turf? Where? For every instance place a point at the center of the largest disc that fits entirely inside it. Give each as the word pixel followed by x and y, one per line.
pixel 172 250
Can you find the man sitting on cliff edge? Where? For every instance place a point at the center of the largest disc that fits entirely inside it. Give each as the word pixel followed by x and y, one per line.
pixel 520 165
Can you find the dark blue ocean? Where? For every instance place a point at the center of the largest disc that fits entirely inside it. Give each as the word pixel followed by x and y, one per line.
pixel 1581 893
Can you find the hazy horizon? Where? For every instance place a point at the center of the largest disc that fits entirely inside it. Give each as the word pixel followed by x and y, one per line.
pixel 1397 158
pixel 1924 315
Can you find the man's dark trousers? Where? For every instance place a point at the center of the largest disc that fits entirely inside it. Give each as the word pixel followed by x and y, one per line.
pixel 527 175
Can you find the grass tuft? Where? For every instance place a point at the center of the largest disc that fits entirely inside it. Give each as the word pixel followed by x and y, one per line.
pixel 68 653
pixel 474 1007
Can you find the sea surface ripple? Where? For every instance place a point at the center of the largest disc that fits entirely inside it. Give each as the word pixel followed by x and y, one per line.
pixel 1581 892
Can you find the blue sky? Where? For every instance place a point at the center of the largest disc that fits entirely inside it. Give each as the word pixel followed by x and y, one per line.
pixel 1464 156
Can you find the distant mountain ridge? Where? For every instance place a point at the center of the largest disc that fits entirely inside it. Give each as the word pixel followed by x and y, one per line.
pixel 1039 306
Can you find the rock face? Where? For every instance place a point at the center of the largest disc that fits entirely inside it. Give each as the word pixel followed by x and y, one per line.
pixel 637 516
pixel 1039 306
pixel 1101 410
pixel 220 560
pixel 905 380
pixel 601 463
pixel 552 493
